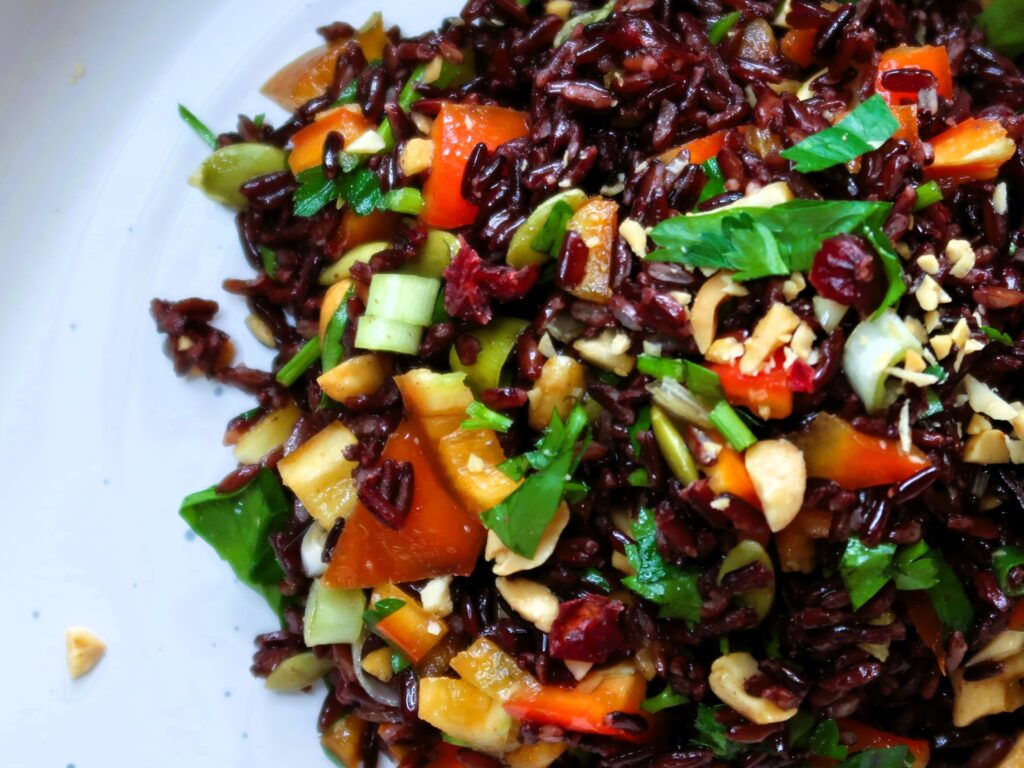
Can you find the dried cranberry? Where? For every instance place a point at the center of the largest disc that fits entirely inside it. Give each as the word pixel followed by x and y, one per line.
pixel 587 629
pixel 844 270
pixel 472 284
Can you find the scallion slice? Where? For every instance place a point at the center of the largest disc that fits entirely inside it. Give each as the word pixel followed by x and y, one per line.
pixel 382 334
pixel 405 298
pixel 305 357
pixel 732 427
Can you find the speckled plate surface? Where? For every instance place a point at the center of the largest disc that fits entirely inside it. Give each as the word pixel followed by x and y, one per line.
pixel 99 440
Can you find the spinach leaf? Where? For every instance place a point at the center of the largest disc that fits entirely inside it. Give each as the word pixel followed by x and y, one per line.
pixel 865 129
pixel 950 599
pixel 237 525
pixel 672 588
pixel 824 740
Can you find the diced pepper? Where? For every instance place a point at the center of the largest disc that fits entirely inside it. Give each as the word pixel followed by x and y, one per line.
pixel 930 58
pixel 699 150
pixel 466 713
pixel 728 474
pixel 344 741
pixel 458 129
pixel 835 451
pixel 320 476
pixel 308 144
pixel 491 670
pixel 447 756
pixel 581 709
pixel 436 402
pixel 439 537
pixel 907 116
pixel 973 150
pixel 795 542
pixel 372 37
pixel 470 459
pixel 798 46
pixel 356 230
pixel 865 737
pixel 768 393
pixel 411 629
pixel 597 223
pixel 926 621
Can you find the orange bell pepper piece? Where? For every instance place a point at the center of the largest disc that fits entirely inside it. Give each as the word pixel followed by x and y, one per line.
pixel 926 621
pixel 344 741
pixel 835 451
pixel 729 475
pixel 439 537
pixel 308 144
pixel 456 132
pixel 597 223
pixel 411 629
pixel 973 150
pixel 798 46
pixel 699 150
pixel 795 542
pixel 356 230
pixel 907 116
pixel 931 58
pixel 581 710
pixel 866 737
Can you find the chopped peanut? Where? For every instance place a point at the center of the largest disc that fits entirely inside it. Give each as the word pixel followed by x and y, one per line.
pixel 560 386
pixel 779 475
pixel 728 674
pixel 83 651
pixel 534 602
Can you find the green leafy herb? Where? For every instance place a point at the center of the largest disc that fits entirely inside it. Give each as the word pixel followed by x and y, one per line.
pixel 890 757
pixel 721 27
pixel 670 587
pixel 642 424
pixel 997 335
pixel 198 126
pixel 314 192
pixel 865 129
pixel 407 200
pixel 305 357
pixel 638 478
pixel 661 367
pixel 269 259
pixel 519 521
pixel 949 598
pixel 715 185
pixel 866 570
pixel 824 741
pixel 333 351
pixel 237 525
pixel 934 402
pixel 597 579
pixel 928 193
pixel 348 95
pixel 937 371
pixel 713 733
pixel 382 609
pixel 1006 560
pixel 1003 22
pixel 915 567
pixel 797 229
pixel 664 700
pixel 361 190
pixel 732 427
pixel 551 236
pixel 260 119
pixel 482 417
pixel 399 662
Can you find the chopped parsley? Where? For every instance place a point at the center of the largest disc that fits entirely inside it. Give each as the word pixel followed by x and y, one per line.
pixel 269 259
pixel 382 609
pixel 865 129
pixel 668 586
pixel 890 757
pixel 721 27
pixel 824 741
pixel 715 185
pixel 713 734
pixel 664 700
pixel 358 187
pixel 1003 22
pixel 482 417
pixel 997 335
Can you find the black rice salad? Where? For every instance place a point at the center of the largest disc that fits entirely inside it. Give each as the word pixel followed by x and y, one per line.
pixel 648 384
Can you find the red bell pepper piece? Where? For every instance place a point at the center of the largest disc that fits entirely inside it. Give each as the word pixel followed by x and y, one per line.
pixel 699 150
pixel 930 58
pixel 866 737
pixel 458 129
pixel 579 711
pixel 835 451
pixel 768 393
pixel 439 536
pixel 926 621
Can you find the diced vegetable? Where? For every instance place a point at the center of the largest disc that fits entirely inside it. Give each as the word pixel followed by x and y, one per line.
pixel 866 128
pixel 973 150
pixel 728 474
pixel 491 670
pixel 698 150
pixel 269 433
pixel 320 475
pixel 583 19
pixel 875 346
pixel 411 629
pixel 308 143
pixel 520 249
pixel 767 392
pixel 673 448
pixel 458 129
pixel 381 334
pixel 298 672
pixel 798 45
pixel 307 355
pixel 865 737
pixel 228 168
pixel 405 298
pixel 342 268
pixel 597 224
pixel 360 375
pixel 434 256
pixel 731 426
pixel 332 615
pixel 835 451
pixel 930 58
pixel 344 741
pixel 909 129
pixel 356 230
pixel 197 125
pixel 497 341
pixel 466 713
pixel 470 459
pixel 928 193
pixel 439 537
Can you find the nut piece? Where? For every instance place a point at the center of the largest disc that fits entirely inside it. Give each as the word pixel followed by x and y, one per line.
pixel 774 330
pixel 984 400
pixel 378 664
pixel 961 256
pixel 507 562
pixel 633 232
pixel 561 384
pixel 83 651
pixel 704 315
pixel 728 674
pixel 534 602
pixel 1003 646
pixel 436 596
pixel 993 695
pixel 779 474
pixel 417 155
pixel 988 447
pixel 608 351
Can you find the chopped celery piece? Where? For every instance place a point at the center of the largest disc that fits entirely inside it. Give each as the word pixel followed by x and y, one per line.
pixel 342 268
pixel 298 672
pixel 228 168
pixel 405 298
pixel 434 255
pixel 873 348
pixel 497 340
pixel 381 334
pixel 520 249
pixel 332 615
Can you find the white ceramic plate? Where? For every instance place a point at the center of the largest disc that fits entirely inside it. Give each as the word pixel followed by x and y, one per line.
pixel 99 440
